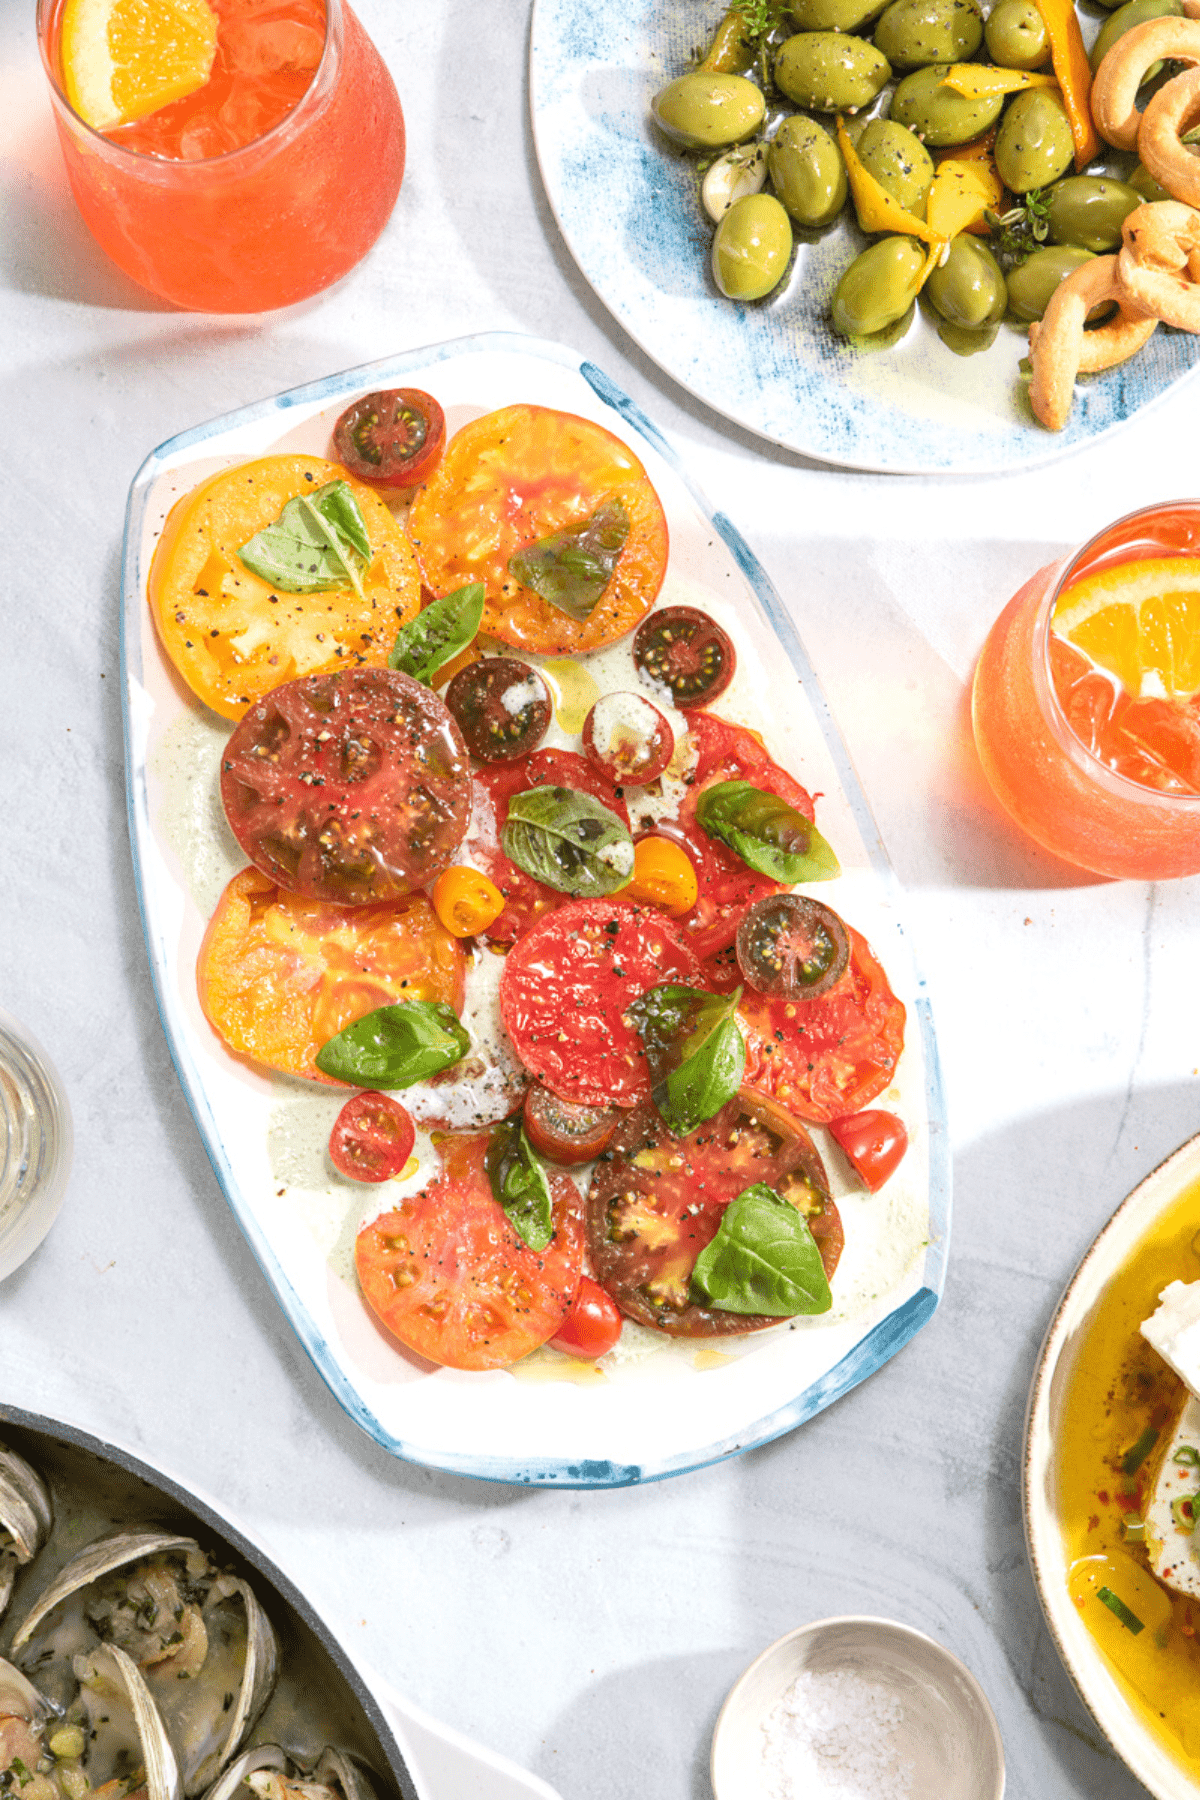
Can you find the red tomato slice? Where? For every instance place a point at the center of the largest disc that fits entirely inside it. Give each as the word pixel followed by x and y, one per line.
pixel 873 1143
pixel 448 1276
pixel 565 989
pixel 592 1326
pixel 372 1138
pixel 827 1057
pixel 524 898
pixel 726 753
pixel 657 1200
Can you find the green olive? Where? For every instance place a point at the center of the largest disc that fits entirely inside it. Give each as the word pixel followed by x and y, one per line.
pixel 899 162
pixel 731 51
pixel 752 247
pixel 937 114
pixel 709 112
pixel 835 15
pixel 830 72
pixel 1145 187
pixel 1089 210
pixel 914 33
pixel 1034 145
pixel 1031 284
pixel 878 287
pixel 1135 12
pixel 807 171
pixel 968 288
pixel 1015 35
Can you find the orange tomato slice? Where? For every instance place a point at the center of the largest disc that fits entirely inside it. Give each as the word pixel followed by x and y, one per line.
pixel 519 475
pixel 232 636
pixel 279 975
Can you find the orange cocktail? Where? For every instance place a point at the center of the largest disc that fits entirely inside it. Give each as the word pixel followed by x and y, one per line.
pixel 262 186
pixel 1085 705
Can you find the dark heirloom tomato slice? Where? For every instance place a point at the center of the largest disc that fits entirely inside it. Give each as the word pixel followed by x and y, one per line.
pixel 502 707
pixel 686 651
pixel 520 475
pixel 353 787
pixel 826 1057
pixel 725 752
pixel 393 438
pixel 657 1200
pixel 372 1138
pixel 627 739
pixel 447 1274
pixel 563 1132
pixel 791 947
pixel 565 990
pixel 524 898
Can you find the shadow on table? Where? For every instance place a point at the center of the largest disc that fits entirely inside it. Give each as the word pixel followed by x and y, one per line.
pixel 636 1719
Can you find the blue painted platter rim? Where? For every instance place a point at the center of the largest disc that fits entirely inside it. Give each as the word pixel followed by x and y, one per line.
pixel 878 1344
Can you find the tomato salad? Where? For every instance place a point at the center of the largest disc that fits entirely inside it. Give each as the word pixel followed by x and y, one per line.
pixel 570 957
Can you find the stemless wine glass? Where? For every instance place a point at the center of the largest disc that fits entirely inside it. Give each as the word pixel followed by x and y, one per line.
pixel 35 1145
pixel 257 227
pixel 1044 775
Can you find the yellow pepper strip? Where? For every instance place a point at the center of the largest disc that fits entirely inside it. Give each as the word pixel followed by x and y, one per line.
pixel 663 876
pixel 1074 76
pixel 466 901
pixel 976 81
pixel 958 196
pixel 877 210
pixel 979 150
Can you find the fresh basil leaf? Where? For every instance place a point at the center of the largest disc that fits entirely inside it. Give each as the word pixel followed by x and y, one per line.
pixel 572 568
pixel 318 541
pixel 770 836
pixel 696 1053
pixel 396 1045
pixel 439 633
pixel 569 841
pixel 764 1259
pixel 519 1184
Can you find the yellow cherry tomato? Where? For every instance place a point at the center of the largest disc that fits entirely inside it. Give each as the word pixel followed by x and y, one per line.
pixel 466 901
pixel 663 876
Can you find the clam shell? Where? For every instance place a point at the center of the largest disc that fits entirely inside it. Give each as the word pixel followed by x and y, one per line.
pixel 20 1699
pixel 335 1766
pixel 263 1756
pixel 258 1678
pixel 333 1770
pixel 162 1770
pixel 99 1558
pixel 25 1514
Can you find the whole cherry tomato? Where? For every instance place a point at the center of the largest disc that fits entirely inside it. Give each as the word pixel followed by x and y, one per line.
pixel 372 1138
pixel 873 1142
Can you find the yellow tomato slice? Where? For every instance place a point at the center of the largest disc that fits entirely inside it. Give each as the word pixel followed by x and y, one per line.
pixel 278 975
pixel 232 636
pixel 522 474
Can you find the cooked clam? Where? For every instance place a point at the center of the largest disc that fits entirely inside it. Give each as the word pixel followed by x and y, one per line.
pixel 196 1636
pixel 270 1773
pixel 25 1518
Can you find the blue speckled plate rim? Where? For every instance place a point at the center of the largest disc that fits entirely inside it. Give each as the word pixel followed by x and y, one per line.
pixel 939 453
pixel 886 1337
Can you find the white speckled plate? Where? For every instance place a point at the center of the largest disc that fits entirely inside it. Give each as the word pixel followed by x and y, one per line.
pixel 670 1406
pixel 626 204
pixel 1101 1690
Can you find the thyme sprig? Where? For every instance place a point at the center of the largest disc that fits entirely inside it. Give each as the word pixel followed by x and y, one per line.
pixel 1021 230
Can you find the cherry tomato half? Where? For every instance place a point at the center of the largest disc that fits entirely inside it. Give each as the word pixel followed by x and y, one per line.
pixel 563 1131
pixel 626 738
pixel 502 707
pixel 686 651
pixel 791 946
pixel 372 1138
pixel 592 1326
pixel 874 1143
pixel 392 439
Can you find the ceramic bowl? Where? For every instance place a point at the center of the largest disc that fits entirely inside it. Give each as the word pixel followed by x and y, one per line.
pixel 947 1733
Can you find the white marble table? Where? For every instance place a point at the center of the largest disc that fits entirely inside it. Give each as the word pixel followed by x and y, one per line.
pixel 590 1636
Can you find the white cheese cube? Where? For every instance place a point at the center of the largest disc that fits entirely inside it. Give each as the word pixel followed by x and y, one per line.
pixel 1174 1331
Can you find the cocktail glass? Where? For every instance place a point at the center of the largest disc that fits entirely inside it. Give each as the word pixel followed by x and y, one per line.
pixel 1043 774
pixel 35 1145
pixel 261 226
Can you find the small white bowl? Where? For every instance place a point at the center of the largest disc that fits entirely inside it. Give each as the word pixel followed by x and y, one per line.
pixel 948 1731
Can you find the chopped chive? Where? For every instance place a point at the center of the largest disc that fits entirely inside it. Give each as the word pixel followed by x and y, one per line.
pixel 1133 1459
pixel 1129 1620
pixel 1135 1528
pixel 1186 1455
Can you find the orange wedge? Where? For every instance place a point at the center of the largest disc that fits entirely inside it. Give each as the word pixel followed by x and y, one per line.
pixel 122 59
pixel 1141 622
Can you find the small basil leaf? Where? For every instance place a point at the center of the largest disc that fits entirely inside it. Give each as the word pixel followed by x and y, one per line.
pixel 572 568
pixel 764 1259
pixel 696 1053
pixel 770 836
pixel 439 633
pixel 519 1184
pixel 569 841
pixel 396 1045
pixel 317 542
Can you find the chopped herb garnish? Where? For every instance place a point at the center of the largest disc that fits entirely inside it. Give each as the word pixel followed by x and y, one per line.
pixel 1129 1620
pixel 1133 1459
pixel 1187 1456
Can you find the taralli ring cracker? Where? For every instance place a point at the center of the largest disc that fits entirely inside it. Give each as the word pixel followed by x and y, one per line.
pixel 1167 116
pixel 1159 263
pixel 1121 74
pixel 1058 347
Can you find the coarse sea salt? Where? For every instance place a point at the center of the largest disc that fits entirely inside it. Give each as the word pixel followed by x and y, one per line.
pixel 832 1736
